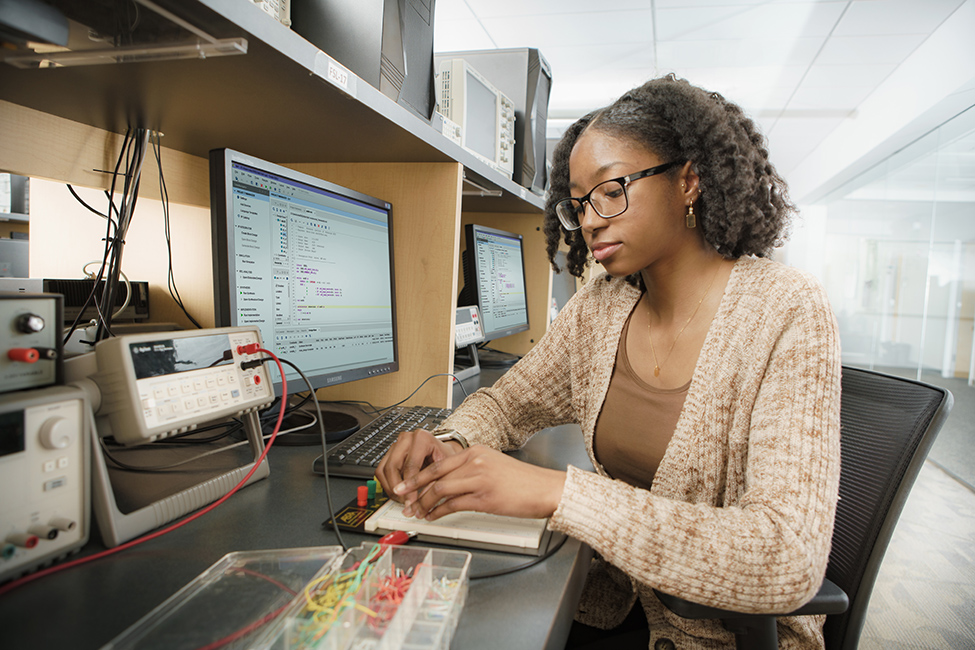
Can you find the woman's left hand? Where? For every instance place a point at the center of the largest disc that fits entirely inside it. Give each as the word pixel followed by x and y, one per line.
pixel 484 480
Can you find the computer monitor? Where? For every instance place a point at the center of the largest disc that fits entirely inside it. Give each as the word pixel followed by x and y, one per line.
pixel 494 280
pixel 308 262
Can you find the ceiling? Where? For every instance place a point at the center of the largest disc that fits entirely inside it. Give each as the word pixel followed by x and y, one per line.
pixel 801 68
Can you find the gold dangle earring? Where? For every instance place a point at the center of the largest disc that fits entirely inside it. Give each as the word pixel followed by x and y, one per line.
pixel 689 219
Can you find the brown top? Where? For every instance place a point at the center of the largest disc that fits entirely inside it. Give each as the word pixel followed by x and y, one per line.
pixel 636 422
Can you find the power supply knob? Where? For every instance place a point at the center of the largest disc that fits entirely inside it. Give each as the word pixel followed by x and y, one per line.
pixel 29 323
pixel 57 433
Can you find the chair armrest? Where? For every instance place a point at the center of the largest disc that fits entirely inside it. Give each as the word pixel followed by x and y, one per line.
pixel 830 599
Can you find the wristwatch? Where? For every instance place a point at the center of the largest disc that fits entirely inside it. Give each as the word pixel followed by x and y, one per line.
pixel 451 434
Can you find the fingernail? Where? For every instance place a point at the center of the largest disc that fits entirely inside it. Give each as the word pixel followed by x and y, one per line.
pixel 408 511
pixel 400 489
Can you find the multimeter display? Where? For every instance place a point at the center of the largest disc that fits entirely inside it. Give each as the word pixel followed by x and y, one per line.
pixel 172 356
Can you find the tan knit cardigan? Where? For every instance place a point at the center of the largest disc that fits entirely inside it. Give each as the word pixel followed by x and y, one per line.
pixel 740 514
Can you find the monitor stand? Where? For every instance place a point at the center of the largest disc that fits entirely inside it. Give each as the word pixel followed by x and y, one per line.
pixel 338 426
pixel 490 358
pixel 466 363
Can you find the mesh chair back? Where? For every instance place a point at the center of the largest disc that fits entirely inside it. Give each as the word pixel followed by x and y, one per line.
pixel 887 427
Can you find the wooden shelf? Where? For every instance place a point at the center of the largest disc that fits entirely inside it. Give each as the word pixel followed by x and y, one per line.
pixel 274 102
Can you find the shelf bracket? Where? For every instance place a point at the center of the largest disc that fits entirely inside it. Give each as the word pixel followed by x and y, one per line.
pixel 480 190
pixel 207 47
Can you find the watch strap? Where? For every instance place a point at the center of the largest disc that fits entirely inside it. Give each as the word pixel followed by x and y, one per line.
pixel 451 434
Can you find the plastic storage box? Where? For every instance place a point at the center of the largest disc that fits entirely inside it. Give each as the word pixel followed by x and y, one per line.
pixel 382 597
pixel 226 605
pixel 373 597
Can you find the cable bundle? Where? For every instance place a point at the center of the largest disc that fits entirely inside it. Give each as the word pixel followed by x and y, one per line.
pixel 133 152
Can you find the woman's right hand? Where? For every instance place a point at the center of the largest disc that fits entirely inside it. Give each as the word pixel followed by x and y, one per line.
pixel 412 451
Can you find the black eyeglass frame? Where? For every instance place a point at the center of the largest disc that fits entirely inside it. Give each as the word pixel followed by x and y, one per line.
pixel 624 181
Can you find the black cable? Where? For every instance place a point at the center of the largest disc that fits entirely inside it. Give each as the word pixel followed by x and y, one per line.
pixel 180 439
pixel 188 437
pixel 85 204
pixel 269 414
pixel 109 242
pixel 365 406
pixel 422 384
pixel 552 550
pixel 164 198
pixel 112 241
pixel 321 429
pixel 133 152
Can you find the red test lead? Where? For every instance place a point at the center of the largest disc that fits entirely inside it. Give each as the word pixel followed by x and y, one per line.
pixel 397 537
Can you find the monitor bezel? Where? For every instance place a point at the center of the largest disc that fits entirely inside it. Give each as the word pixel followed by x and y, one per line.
pixel 221 216
pixel 472 273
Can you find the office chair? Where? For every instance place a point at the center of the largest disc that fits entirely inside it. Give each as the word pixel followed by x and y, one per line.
pixel 887 427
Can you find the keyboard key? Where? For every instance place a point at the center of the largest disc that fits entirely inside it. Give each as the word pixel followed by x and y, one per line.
pixel 358 455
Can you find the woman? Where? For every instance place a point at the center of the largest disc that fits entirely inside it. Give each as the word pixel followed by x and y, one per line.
pixel 705 379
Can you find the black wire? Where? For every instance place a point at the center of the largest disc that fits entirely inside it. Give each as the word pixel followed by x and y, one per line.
pixel 82 202
pixel 552 550
pixel 232 427
pixel 164 198
pixel 366 406
pixel 422 384
pixel 187 437
pixel 321 429
pixel 270 414
pixel 133 153
pixel 109 243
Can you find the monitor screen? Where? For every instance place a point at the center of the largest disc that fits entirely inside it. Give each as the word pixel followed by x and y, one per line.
pixel 310 263
pixel 481 119
pixel 494 280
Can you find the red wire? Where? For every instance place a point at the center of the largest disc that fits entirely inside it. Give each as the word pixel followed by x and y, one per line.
pixel 10 586
pixel 246 630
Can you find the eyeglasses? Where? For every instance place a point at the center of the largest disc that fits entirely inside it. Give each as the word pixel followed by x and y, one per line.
pixel 608 199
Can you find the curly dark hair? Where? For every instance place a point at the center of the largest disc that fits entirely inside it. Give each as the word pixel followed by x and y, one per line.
pixel 743 208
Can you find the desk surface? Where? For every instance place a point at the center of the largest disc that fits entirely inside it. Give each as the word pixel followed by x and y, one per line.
pixel 87 606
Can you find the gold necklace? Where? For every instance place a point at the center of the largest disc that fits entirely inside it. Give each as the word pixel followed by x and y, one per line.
pixel 656 366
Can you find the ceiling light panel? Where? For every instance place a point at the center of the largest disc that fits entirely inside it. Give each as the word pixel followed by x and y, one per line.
pixel 779 21
pixel 593 28
pixel 884 17
pixel 874 50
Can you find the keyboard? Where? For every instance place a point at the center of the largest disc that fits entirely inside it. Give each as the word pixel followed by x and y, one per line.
pixel 358 455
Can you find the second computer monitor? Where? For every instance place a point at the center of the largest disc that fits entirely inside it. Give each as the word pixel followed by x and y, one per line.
pixel 494 280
